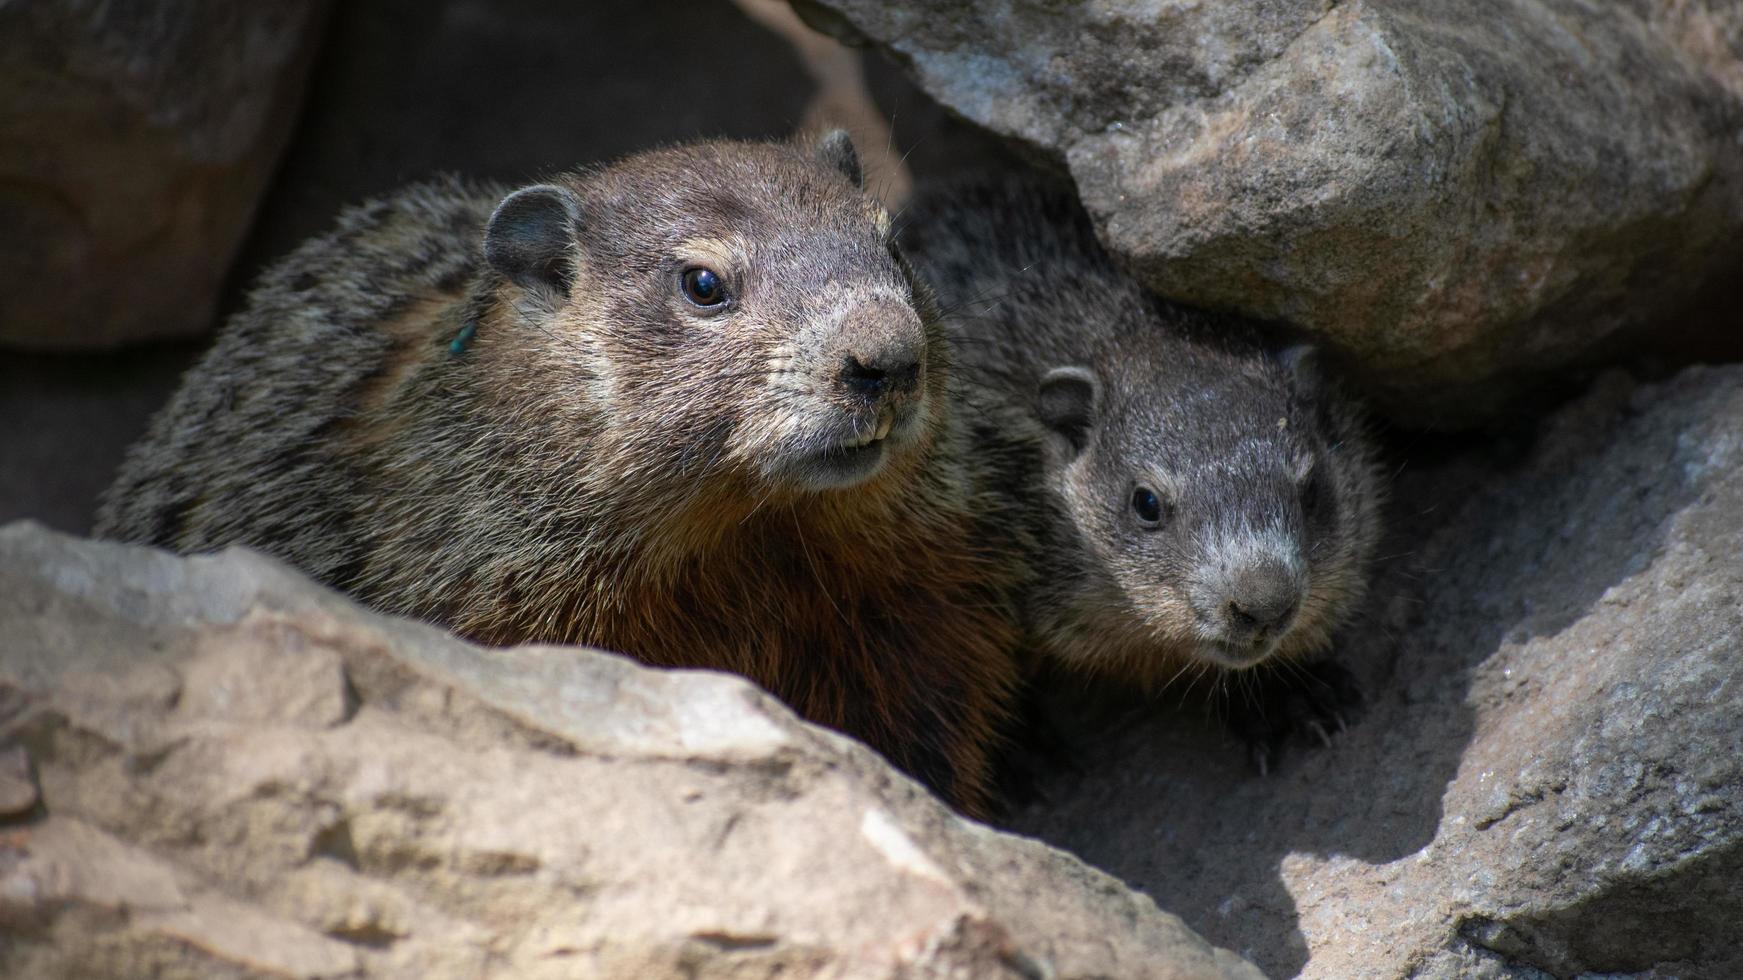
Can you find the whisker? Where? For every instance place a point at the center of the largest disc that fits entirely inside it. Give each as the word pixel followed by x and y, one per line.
pixel 805 549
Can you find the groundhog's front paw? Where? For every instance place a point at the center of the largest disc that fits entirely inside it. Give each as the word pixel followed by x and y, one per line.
pixel 1301 702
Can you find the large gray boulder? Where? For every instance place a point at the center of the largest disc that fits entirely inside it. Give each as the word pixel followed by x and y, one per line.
pixel 135 142
pixel 213 767
pixel 1456 195
pixel 1549 779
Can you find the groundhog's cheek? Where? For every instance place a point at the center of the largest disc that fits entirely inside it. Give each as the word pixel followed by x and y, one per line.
pixel 1155 599
pixel 759 425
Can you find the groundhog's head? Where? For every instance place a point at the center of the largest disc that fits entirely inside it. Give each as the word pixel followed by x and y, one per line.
pixel 1230 500
pixel 719 313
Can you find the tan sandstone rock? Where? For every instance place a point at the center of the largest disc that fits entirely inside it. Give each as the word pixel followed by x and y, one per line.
pixel 1549 779
pixel 1457 195
pixel 135 142
pixel 242 774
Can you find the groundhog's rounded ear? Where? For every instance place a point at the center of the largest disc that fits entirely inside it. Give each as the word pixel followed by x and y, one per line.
pixel 1066 403
pixel 836 150
pixel 531 236
pixel 1302 363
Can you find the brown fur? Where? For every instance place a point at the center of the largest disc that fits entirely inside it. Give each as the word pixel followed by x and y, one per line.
pixel 605 466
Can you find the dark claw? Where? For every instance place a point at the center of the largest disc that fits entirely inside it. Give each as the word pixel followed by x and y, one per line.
pixel 1274 707
pixel 1260 755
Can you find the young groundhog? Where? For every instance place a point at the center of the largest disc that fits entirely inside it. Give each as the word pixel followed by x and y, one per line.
pixel 692 406
pixel 1213 504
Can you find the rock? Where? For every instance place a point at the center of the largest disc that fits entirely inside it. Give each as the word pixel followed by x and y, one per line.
pixel 1456 196
pixel 1549 776
pixel 17 788
pixel 244 774
pixel 135 142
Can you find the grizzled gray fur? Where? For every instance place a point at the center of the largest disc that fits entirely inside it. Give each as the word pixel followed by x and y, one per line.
pixel 1213 502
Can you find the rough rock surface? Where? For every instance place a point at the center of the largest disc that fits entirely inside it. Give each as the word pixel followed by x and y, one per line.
pixel 238 774
pixel 1456 194
pixel 135 142
pixel 1548 780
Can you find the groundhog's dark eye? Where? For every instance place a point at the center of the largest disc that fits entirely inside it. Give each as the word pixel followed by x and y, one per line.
pixel 703 287
pixel 1148 506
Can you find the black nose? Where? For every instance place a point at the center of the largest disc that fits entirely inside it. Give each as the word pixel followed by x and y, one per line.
pixel 1260 597
pixel 874 376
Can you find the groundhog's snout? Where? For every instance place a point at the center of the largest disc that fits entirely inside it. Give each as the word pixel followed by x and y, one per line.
pixel 865 364
pixel 879 359
pixel 1259 600
pixel 872 376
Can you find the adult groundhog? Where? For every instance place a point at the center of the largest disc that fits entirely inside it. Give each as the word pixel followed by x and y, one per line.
pixel 692 406
pixel 1215 504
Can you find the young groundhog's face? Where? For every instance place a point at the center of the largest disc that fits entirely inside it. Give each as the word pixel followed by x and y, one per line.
pixel 724 314
pixel 1229 503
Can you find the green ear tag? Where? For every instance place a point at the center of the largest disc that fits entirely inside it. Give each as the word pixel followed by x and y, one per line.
pixel 461 339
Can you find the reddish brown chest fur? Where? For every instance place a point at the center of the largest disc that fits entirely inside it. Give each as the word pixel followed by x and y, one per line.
pixel 902 640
